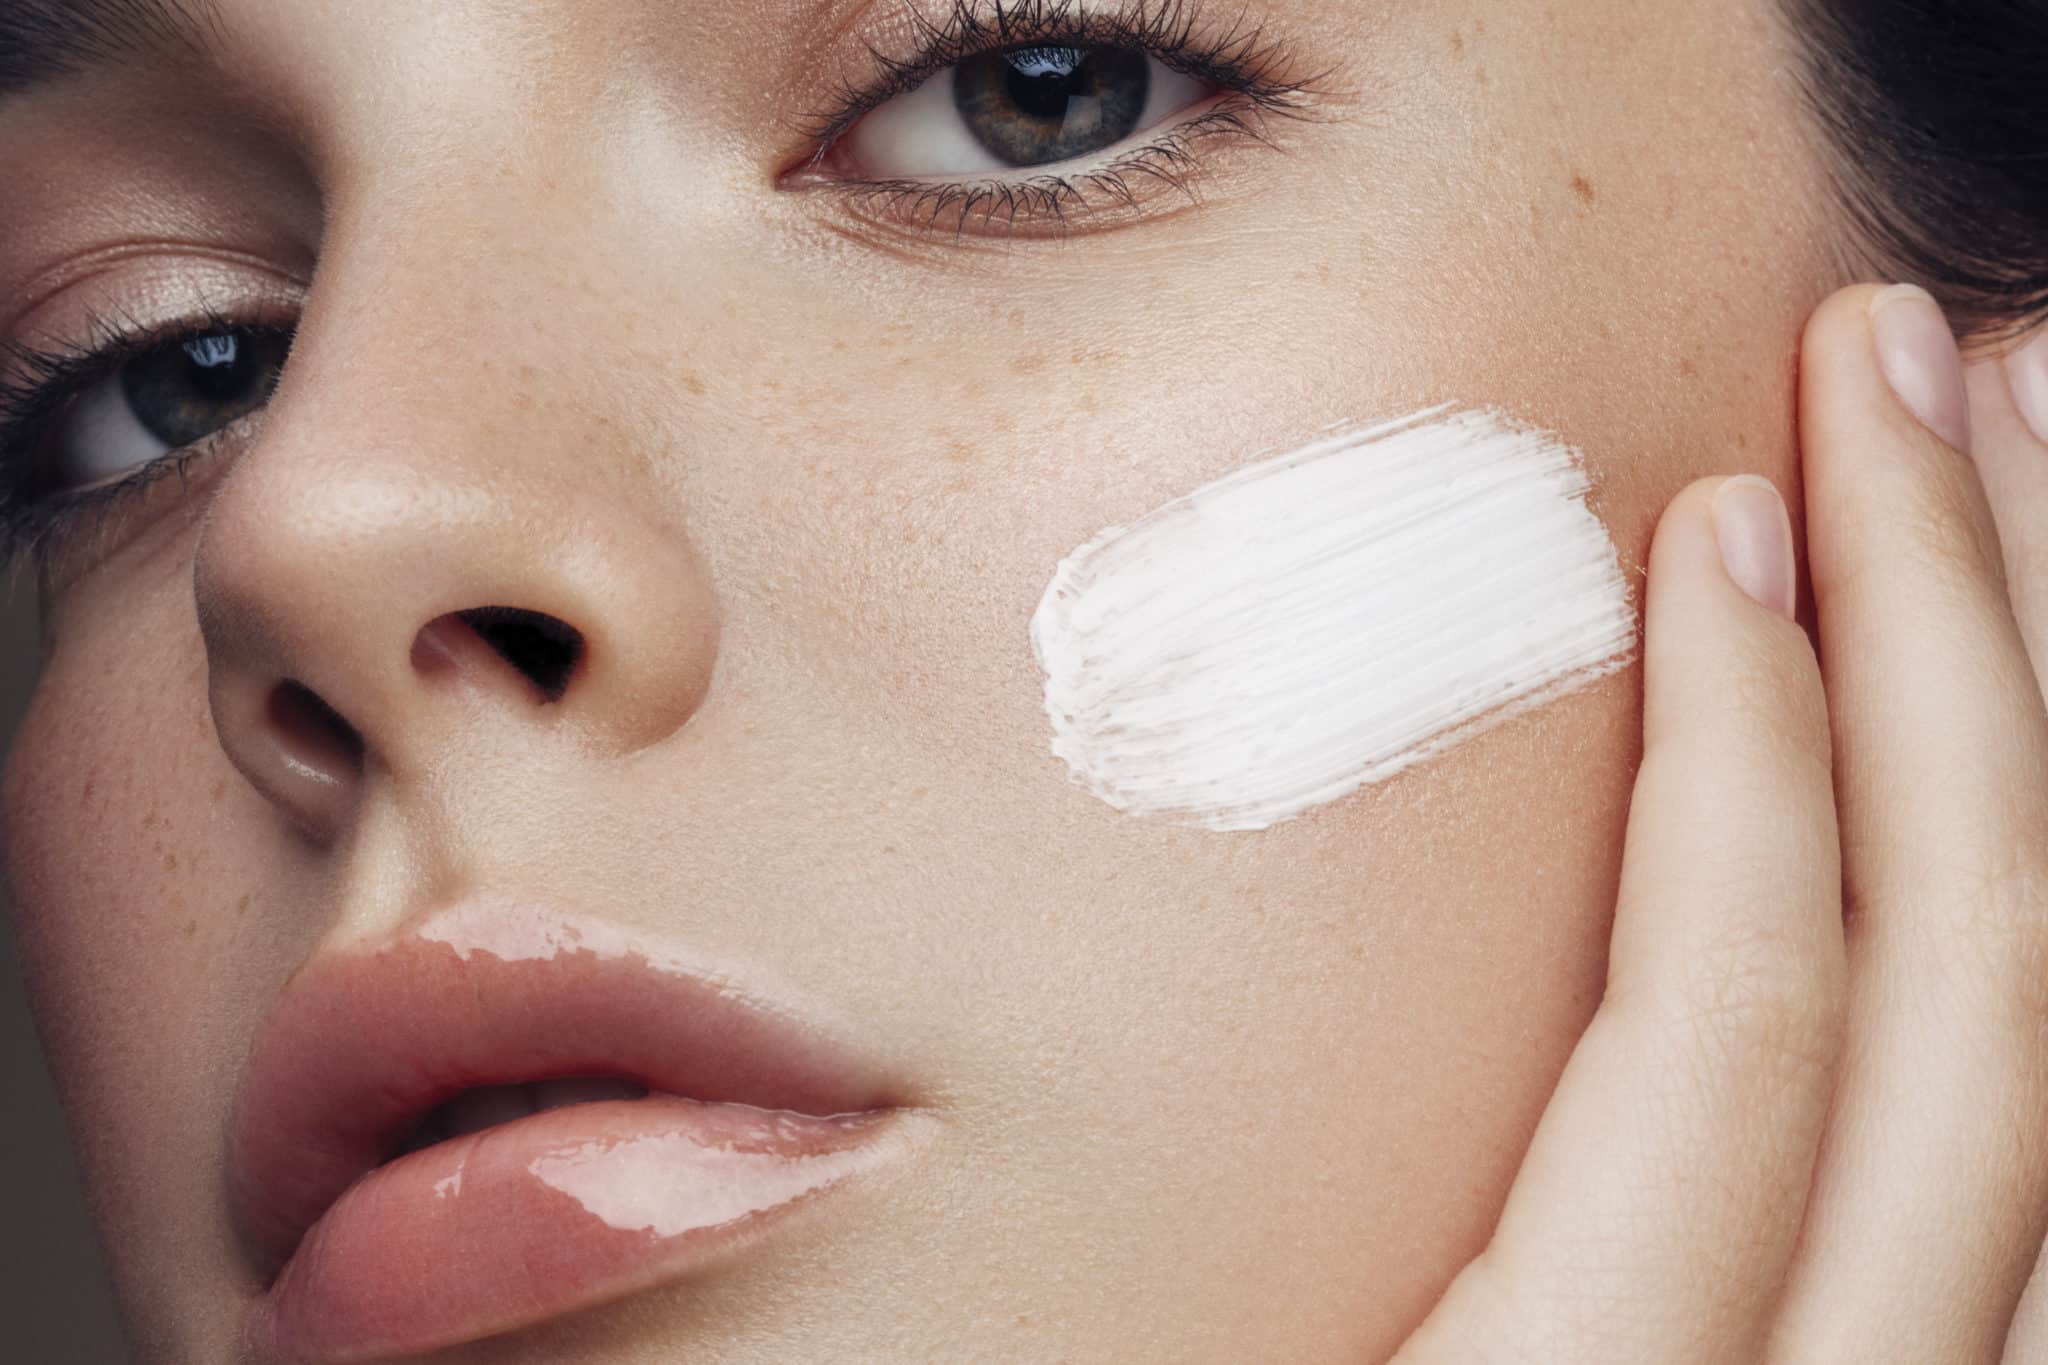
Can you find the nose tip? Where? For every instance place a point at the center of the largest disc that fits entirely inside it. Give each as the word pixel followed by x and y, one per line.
pixel 357 625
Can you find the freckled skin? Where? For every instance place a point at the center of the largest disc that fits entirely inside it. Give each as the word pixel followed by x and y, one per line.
pixel 1203 1097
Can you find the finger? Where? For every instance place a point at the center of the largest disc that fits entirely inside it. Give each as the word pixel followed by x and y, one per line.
pixel 2008 397
pixel 1927 1204
pixel 2009 419
pixel 1660 1198
pixel 2027 1343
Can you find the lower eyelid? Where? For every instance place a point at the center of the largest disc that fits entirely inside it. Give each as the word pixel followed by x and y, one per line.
pixel 1133 182
pixel 80 528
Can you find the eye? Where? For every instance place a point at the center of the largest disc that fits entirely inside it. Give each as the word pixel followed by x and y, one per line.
pixel 1025 106
pixel 162 400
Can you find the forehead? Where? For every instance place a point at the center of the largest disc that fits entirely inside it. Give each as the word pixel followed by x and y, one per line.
pixel 46 40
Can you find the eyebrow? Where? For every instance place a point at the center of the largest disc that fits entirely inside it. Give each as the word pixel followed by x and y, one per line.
pixel 46 40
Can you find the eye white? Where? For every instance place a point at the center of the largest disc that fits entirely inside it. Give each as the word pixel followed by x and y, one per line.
pixel 920 134
pixel 102 438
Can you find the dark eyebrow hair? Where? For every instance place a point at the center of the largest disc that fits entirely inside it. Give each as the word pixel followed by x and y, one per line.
pixel 45 40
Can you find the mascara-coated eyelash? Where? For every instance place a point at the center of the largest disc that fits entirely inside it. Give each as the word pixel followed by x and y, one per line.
pixel 50 383
pixel 1250 73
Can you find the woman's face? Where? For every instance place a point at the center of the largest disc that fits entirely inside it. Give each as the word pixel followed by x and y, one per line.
pixel 797 461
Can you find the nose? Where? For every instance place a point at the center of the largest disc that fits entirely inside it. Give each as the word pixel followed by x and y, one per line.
pixel 389 607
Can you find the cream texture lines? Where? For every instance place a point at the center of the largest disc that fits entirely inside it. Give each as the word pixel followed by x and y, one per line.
pixel 1324 619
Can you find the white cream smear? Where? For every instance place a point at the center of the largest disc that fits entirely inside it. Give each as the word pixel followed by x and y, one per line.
pixel 1321 620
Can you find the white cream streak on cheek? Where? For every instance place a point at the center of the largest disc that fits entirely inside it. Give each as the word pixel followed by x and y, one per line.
pixel 1324 619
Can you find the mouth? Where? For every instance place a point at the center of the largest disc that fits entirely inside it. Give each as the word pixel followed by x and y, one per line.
pixel 507 1115
pixel 472 1111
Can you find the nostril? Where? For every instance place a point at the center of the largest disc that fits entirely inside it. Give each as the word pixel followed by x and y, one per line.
pixel 543 648
pixel 315 736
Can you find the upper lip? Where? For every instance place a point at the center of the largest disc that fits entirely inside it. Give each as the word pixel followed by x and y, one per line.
pixel 364 1043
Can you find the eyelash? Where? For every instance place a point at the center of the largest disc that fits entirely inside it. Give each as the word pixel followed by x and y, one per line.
pixel 53 380
pixel 1239 60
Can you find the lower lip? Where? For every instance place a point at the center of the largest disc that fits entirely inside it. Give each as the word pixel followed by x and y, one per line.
pixel 547 1215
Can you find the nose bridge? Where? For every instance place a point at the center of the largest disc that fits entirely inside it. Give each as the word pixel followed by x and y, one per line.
pixel 437 547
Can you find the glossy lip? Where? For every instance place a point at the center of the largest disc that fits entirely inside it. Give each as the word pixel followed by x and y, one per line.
pixel 754 1110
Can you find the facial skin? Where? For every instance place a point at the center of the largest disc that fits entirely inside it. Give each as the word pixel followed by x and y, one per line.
pixel 800 476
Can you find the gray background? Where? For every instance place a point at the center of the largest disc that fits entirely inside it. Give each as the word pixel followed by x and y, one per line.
pixel 55 1308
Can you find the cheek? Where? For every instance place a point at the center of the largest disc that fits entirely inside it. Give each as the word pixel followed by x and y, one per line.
pixel 1320 1044
pixel 122 835
pixel 1325 619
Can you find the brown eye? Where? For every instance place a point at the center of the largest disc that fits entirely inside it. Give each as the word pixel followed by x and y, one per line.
pixel 188 390
pixel 1038 105
pixel 1016 108
pixel 164 399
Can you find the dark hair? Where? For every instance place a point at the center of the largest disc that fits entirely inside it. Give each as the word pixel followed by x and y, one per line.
pixel 1936 118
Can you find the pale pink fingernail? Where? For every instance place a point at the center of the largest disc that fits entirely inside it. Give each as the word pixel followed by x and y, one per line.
pixel 1755 535
pixel 1920 359
pixel 2028 369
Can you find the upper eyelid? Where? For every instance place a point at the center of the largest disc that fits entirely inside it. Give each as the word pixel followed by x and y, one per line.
pixel 1176 32
pixel 108 339
pixel 206 275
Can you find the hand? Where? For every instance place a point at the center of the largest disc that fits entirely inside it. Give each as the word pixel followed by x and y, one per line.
pixel 1809 1122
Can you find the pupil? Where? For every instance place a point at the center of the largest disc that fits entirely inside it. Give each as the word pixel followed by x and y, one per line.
pixel 184 392
pixel 1044 80
pixel 217 371
pixel 1033 106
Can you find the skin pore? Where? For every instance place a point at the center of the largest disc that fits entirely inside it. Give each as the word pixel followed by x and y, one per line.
pixel 799 470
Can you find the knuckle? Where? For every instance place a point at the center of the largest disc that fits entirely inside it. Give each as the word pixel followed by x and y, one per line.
pixel 1781 710
pixel 1973 927
pixel 1999 918
pixel 1765 1007
pixel 1942 528
pixel 1761 691
pixel 1915 527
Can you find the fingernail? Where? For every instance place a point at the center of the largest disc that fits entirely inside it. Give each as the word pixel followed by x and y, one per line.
pixel 1920 359
pixel 2028 370
pixel 1755 535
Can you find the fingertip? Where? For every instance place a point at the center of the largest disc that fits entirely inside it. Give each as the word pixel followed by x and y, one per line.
pixel 1734 528
pixel 1723 649
pixel 1686 529
pixel 1889 345
pixel 2008 397
pixel 2026 370
pixel 1919 357
pixel 1753 531
pixel 1840 326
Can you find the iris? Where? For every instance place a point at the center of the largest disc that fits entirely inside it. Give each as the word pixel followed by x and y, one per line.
pixel 185 392
pixel 1037 105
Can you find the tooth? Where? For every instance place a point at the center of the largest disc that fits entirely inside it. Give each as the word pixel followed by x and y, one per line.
pixel 583 1090
pixel 474 1110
